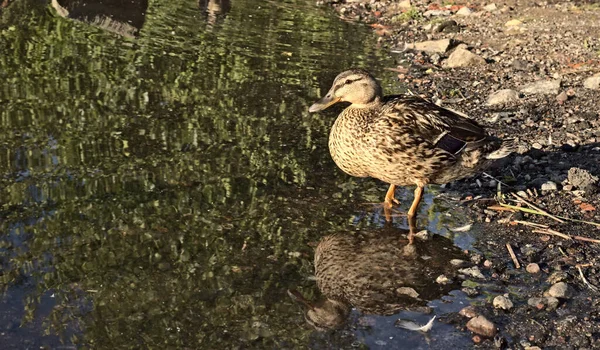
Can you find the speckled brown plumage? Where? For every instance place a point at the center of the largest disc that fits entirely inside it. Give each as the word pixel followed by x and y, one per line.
pixel 378 273
pixel 404 139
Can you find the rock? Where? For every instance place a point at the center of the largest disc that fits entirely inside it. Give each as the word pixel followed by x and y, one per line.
pixel 463 58
pixel 545 87
pixel 560 290
pixel 457 262
pixel 482 326
pixel 406 4
pixel 447 27
pixel 557 276
pixel 472 271
pixel 549 186
pixel 436 46
pixel 581 178
pixel 464 11
pixel 552 303
pixel 502 302
pixel 513 23
pixel 422 235
pixel 434 13
pixel 533 348
pixel 502 97
pixel 442 279
pixel 592 82
pixel 468 311
pixel 490 8
pixel 533 268
pixel 520 65
pixel 539 303
pixel 562 97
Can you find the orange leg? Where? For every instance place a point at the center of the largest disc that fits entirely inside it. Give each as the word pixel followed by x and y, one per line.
pixel 412 213
pixel 389 197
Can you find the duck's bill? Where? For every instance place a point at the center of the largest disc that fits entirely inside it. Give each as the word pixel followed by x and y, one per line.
pixel 323 103
pixel 299 298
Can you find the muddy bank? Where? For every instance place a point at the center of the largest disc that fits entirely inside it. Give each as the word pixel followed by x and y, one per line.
pixel 531 71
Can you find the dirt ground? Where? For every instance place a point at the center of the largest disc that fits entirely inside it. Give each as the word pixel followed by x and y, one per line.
pixel 546 54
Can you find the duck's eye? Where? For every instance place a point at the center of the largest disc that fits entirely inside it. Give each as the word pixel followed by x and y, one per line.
pixel 348 81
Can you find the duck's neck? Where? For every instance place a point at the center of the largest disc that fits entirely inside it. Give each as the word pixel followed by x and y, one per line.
pixel 375 103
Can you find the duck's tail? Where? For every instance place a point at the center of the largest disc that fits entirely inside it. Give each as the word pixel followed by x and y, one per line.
pixel 507 147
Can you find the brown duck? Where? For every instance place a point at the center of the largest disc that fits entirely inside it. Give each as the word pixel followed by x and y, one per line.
pixel 378 273
pixel 403 139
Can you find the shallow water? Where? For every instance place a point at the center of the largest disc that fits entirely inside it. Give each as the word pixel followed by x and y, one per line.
pixel 162 182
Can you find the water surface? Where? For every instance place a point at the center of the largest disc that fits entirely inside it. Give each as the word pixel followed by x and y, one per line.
pixel 162 183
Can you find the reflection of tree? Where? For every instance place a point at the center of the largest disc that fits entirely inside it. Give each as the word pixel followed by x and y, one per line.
pixel 134 173
pixel 214 9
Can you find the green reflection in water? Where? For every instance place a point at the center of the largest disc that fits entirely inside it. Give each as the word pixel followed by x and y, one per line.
pixel 165 188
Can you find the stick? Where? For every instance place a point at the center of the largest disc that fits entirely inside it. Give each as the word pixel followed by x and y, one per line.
pixel 513 256
pixel 501 208
pixel 527 223
pixel 585 239
pixel 591 286
pixel 552 232
pixel 538 208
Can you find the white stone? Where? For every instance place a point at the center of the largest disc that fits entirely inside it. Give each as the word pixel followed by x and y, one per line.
pixel 464 11
pixel 545 87
pixel 463 58
pixel 502 302
pixel 502 96
pixel 592 82
pixel 436 46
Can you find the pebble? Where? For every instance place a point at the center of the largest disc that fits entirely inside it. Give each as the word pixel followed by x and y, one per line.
pixel 407 291
pixel 544 87
pixel 592 82
pixel 482 326
pixel 552 303
pixel 468 311
pixel 581 178
pixel 549 186
pixel 560 290
pixel 464 11
pixel 463 58
pixel 502 96
pixel 434 13
pixel 472 271
pixel 533 268
pixel 557 276
pixel 406 4
pixel 502 302
pixel 537 302
pixel 562 97
pixel 513 23
pixel 490 7
pixel 442 279
pixel 457 262
pixel 433 46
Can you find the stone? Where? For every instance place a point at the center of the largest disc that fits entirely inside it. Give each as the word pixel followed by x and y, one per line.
pixel 544 87
pixel 463 58
pixel 422 235
pixel 533 348
pixel 442 279
pixel 552 303
pixel 502 97
pixel 407 291
pixel 464 11
pixel 560 290
pixel 533 268
pixel 592 82
pixel 435 46
pixel 472 271
pixel 562 97
pixel 502 302
pixel 490 8
pixel 557 276
pixel 406 4
pixel 581 178
pixel 537 302
pixel 468 311
pixel 435 13
pixel 549 186
pixel 457 262
pixel 513 23
pixel 482 326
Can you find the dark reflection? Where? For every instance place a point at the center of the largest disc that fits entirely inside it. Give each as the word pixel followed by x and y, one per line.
pixel 118 16
pixel 214 10
pixel 378 272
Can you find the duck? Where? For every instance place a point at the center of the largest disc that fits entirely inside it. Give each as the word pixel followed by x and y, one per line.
pixel 378 272
pixel 404 140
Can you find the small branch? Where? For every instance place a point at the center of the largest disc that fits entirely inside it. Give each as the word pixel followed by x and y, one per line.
pixel 585 239
pixel 493 178
pixel 527 223
pixel 513 256
pixel 537 208
pixel 548 231
pixel 587 283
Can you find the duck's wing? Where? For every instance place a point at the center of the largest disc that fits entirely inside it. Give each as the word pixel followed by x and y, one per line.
pixel 443 128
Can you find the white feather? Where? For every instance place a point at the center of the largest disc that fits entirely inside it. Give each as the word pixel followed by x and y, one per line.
pixel 411 326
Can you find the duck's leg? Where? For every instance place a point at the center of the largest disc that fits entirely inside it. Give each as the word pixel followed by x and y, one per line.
pixel 412 212
pixel 387 203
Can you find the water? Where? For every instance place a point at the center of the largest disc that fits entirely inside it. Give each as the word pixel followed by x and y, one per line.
pixel 162 183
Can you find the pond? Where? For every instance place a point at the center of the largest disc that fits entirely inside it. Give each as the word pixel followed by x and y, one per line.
pixel 163 184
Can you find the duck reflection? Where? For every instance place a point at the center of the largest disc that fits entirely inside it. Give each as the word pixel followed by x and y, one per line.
pixel 214 9
pixel 125 18
pixel 378 272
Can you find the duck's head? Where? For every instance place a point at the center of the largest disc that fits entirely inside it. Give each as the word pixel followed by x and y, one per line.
pixel 356 86
pixel 324 315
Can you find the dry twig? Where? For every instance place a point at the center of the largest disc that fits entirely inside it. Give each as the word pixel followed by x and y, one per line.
pixel 513 256
pixel 587 283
